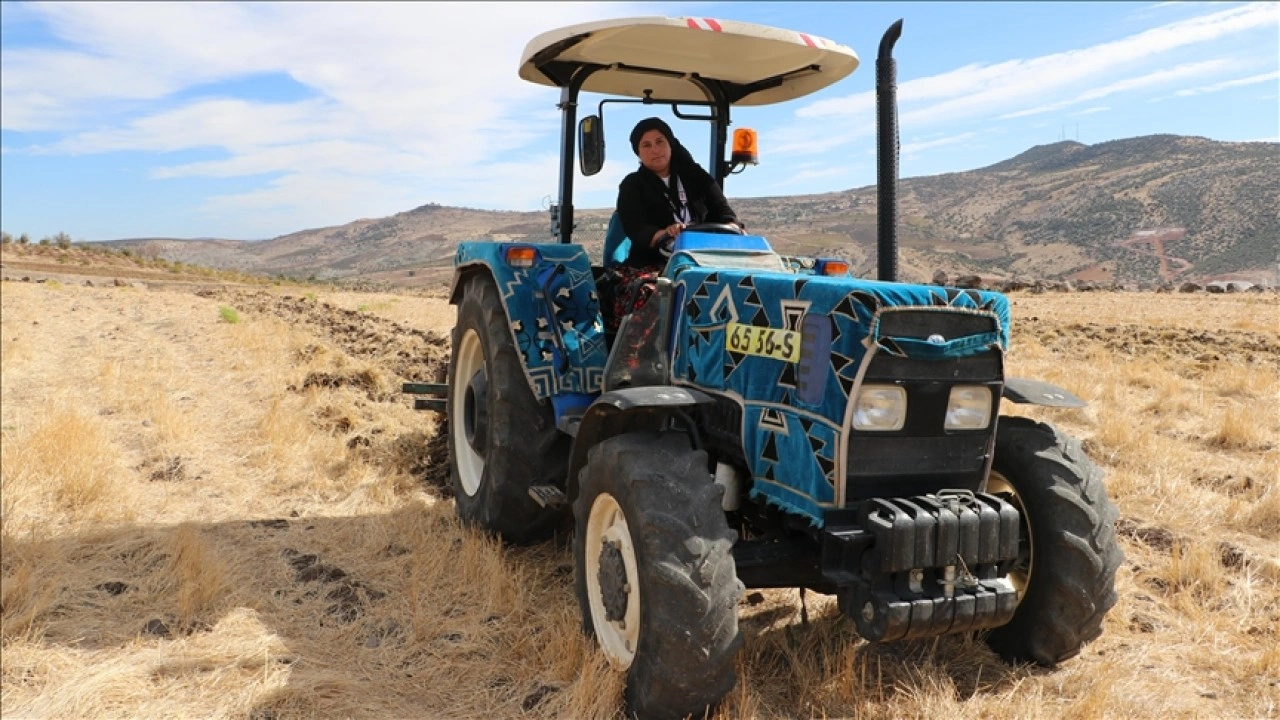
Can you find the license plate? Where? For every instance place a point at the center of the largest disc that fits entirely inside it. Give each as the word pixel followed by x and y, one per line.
pixel 763 341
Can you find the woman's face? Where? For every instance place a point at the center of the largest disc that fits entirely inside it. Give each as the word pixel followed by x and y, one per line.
pixel 655 152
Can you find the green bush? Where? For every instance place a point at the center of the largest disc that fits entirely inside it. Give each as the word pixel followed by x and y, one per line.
pixel 229 315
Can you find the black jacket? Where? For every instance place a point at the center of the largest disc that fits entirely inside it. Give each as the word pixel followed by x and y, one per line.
pixel 644 209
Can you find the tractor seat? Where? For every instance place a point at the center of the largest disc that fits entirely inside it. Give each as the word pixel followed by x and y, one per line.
pixel 617 246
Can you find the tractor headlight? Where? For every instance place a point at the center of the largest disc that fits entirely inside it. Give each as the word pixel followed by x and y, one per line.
pixel 969 408
pixel 880 408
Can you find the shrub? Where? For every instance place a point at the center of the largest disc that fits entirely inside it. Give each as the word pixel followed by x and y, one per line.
pixel 229 315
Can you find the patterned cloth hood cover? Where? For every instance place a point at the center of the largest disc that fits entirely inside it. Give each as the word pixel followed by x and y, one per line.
pixel 791 438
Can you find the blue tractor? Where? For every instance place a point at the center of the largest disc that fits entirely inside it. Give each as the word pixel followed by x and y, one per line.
pixel 762 421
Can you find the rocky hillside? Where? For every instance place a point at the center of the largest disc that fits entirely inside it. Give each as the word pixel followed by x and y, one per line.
pixel 1153 207
pixel 1147 209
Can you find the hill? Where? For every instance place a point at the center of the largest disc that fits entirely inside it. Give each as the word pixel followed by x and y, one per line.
pixel 1146 209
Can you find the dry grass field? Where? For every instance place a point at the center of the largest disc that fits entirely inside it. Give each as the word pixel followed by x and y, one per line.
pixel 216 504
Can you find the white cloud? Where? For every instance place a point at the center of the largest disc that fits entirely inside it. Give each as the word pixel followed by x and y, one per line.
pixel 314 157
pixel 1238 82
pixel 970 98
pixel 912 148
pixel 1160 77
pixel 237 125
pixel 818 173
pixel 1091 111
pixel 815 138
pixel 133 52
pixel 323 198
pixel 424 93
pixel 1018 87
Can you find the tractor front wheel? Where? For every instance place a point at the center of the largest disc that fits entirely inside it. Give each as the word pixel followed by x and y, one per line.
pixel 655 575
pixel 1065 576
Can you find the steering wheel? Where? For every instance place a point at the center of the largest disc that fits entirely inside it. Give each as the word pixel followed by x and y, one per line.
pixel 720 228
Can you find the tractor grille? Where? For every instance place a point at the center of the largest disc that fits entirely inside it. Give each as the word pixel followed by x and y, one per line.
pixel 922 457
pixel 920 324
pixel 892 466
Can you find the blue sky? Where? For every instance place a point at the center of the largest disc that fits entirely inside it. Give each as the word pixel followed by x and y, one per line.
pixel 252 120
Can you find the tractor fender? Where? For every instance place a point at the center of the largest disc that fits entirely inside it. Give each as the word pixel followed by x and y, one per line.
pixel 1038 392
pixel 549 298
pixel 623 411
pixel 460 275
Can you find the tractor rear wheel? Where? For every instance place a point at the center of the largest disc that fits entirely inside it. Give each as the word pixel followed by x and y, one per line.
pixel 655 575
pixel 1065 576
pixel 502 439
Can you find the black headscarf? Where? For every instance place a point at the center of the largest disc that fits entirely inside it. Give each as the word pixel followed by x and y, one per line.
pixel 645 126
pixel 682 163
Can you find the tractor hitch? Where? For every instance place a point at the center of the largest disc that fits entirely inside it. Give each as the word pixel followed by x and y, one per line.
pixel 438 396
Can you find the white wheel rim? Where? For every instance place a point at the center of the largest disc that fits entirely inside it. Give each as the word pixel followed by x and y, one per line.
pixel 998 484
pixel 468 359
pixel 618 639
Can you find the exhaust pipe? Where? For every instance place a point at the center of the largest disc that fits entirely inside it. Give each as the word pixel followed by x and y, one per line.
pixel 887 156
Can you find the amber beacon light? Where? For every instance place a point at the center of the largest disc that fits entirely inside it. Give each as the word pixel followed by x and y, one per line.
pixel 745 148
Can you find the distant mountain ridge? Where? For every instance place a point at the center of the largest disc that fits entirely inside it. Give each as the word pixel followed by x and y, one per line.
pixel 1145 209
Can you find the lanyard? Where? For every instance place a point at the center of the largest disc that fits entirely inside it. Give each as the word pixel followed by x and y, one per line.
pixel 681 213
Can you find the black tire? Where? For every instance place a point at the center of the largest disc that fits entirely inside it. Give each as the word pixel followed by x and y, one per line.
pixel 516 443
pixel 679 606
pixel 1066 578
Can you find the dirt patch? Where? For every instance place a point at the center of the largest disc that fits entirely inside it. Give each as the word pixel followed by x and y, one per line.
pixel 437 459
pixel 1135 340
pixel 1154 537
pixel 349 596
pixel 411 354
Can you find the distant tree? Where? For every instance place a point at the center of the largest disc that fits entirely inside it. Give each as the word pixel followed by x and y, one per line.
pixel 45 240
pixel 5 238
pixel 62 240
pixel 23 239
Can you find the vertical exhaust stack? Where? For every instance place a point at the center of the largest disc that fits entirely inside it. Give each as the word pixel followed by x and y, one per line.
pixel 887 156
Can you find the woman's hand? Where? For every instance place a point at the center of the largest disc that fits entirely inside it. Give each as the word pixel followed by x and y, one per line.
pixel 667 233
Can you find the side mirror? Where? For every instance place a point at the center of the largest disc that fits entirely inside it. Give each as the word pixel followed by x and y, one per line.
pixel 591 144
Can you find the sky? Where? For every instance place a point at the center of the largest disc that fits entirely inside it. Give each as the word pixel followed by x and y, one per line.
pixel 253 120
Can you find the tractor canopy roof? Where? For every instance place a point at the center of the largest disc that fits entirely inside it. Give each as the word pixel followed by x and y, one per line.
pixel 755 64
